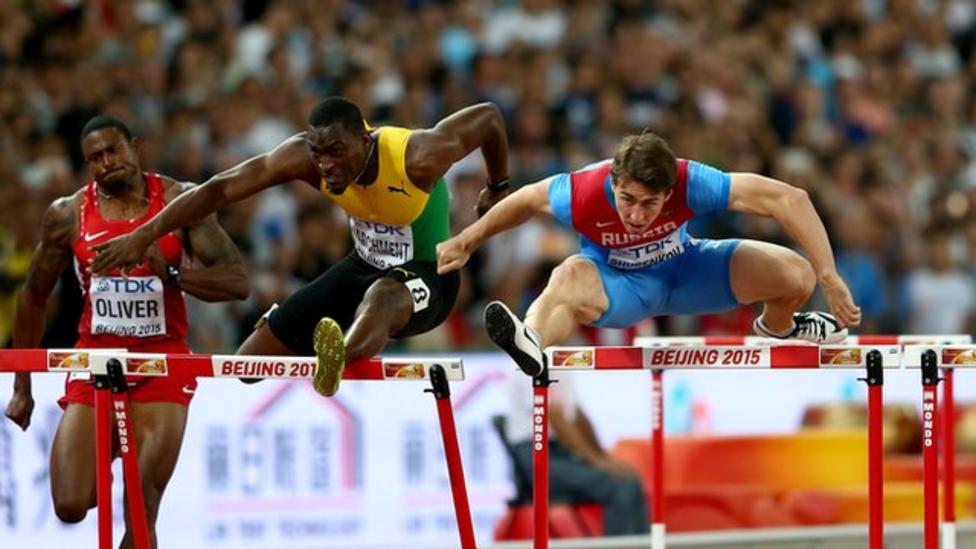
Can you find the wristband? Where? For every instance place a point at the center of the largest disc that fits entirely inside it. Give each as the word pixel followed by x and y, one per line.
pixel 173 275
pixel 496 187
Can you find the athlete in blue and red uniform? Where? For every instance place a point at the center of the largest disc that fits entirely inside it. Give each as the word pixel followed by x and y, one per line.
pixel 637 259
pixel 141 310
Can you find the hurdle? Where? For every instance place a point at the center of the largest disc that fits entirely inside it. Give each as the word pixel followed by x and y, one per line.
pixel 932 359
pixel 109 369
pixel 875 434
pixel 685 356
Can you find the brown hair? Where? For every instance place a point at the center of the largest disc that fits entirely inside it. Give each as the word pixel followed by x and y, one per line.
pixel 647 159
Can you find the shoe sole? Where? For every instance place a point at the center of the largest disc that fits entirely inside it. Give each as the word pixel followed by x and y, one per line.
pixel 330 350
pixel 501 330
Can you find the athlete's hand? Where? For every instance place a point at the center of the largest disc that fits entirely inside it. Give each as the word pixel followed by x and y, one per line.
pixel 122 252
pixel 452 254
pixel 20 407
pixel 488 198
pixel 155 260
pixel 840 300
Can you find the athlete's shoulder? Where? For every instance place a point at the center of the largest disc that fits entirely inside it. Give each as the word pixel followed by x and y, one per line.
pixel 60 222
pixel 173 188
pixel 602 166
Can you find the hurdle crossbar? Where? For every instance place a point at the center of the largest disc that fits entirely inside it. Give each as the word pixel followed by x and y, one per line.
pixel 109 368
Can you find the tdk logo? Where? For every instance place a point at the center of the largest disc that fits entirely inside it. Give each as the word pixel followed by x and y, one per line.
pixel 128 285
pixel 380 228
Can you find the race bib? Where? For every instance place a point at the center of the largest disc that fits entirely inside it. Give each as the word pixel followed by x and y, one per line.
pixel 649 253
pixel 382 246
pixel 131 307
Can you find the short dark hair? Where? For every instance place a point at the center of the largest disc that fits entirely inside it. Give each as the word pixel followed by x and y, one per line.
pixel 647 159
pixel 338 110
pixel 103 121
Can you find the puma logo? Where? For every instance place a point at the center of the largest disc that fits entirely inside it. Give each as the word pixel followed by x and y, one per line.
pixel 393 189
pixel 406 273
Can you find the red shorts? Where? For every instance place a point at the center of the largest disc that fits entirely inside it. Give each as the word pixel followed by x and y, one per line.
pixel 78 387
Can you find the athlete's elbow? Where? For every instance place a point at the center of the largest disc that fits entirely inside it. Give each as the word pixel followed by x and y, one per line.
pixel 792 199
pixel 239 288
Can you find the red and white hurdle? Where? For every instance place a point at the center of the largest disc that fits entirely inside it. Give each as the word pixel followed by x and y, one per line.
pixel 870 353
pixel 110 367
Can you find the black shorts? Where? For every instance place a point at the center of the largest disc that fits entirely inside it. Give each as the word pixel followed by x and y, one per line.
pixel 338 292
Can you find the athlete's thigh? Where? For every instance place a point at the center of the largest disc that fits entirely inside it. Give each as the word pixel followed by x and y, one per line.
pixel 73 455
pixel 432 296
pixel 631 295
pixel 700 281
pixel 761 270
pixel 159 428
pixel 335 294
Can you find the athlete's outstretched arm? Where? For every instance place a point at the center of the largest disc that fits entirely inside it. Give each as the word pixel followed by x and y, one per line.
pixel 755 194
pixel 52 255
pixel 431 152
pixel 514 210
pixel 288 162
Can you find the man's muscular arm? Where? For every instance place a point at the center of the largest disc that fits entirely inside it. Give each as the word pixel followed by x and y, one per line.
pixel 289 161
pixel 219 273
pixel 431 152
pixel 52 255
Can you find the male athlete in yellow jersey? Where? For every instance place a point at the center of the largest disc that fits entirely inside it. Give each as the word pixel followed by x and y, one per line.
pixel 390 182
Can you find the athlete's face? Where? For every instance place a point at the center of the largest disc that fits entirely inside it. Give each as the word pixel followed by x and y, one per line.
pixel 637 206
pixel 339 155
pixel 112 159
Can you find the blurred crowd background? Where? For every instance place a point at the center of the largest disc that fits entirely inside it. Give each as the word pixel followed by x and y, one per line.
pixel 869 105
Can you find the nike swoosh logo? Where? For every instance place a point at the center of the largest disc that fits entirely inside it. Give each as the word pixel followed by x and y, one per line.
pixel 89 237
pixel 600 225
pixel 188 390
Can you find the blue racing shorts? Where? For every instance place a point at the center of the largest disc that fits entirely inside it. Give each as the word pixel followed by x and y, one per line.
pixel 695 282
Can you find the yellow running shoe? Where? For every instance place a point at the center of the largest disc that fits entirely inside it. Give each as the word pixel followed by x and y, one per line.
pixel 330 349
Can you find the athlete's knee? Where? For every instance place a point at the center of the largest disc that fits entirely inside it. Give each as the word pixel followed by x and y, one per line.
pixel 573 272
pixel 71 507
pixel 801 280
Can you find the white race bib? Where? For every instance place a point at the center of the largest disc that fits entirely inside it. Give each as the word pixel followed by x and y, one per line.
pixel 649 253
pixel 382 246
pixel 131 307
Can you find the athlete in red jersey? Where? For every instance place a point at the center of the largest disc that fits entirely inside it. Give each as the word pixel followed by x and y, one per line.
pixel 141 310
pixel 637 259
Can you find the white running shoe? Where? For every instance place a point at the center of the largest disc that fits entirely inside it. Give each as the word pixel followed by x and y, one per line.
pixel 812 326
pixel 522 343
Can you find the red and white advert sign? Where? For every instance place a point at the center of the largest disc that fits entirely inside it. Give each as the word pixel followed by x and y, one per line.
pixel 67 360
pixel 574 359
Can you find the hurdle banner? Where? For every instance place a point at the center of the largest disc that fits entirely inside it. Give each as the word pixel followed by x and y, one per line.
pixel 109 368
pixel 699 356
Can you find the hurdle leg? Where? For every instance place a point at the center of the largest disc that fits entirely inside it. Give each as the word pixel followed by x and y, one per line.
pixel 930 452
pixel 540 459
pixel 462 510
pixel 103 461
pixel 948 460
pixel 875 382
pixel 129 453
pixel 657 460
